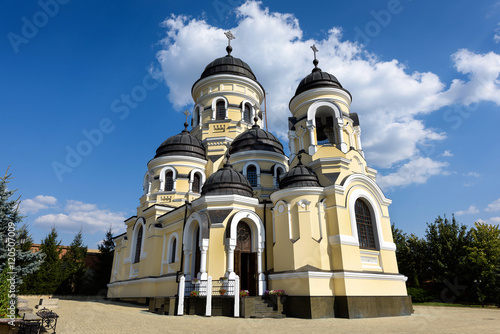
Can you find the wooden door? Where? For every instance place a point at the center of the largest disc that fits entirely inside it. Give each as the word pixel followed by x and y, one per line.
pixel 245 262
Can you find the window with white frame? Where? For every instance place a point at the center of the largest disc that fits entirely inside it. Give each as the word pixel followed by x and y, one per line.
pixel 169 181
pixel 247 112
pixel 252 175
pixel 279 172
pixel 220 111
pixel 364 224
pixel 196 188
pixel 172 250
pixel 138 245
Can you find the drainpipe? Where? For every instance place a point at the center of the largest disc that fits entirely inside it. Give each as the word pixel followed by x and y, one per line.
pixel 182 245
pixel 265 247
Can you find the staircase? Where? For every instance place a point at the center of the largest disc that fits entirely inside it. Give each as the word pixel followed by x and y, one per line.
pixel 258 307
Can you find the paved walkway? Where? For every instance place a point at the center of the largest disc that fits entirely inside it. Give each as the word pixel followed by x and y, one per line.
pixel 105 317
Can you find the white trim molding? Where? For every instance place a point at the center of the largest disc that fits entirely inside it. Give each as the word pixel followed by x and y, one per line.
pixel 334 275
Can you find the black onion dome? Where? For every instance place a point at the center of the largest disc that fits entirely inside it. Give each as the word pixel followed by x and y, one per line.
pixel 256 139
pixel 182 144
pixel 227 181
pixel 299 176
pixel 228 65
pixel 316 79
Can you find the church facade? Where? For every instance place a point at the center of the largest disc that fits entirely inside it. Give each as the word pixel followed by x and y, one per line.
pixel 223 200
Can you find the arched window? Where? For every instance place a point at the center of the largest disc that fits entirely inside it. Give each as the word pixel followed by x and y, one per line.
pixel 138 245
pixel 169 181
pixel 196 183
pixel 279 173
pixel 325 130
pixel 252 175
pixel 365 225
pixel 173 250
pixel 220 112
pixel 246 113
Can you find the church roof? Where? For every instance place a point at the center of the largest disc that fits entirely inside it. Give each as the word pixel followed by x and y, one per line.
pixel 299 176
pixel 182 144
pixel 256 139
pixel 227 181
pixel 228 65
pixel 317 79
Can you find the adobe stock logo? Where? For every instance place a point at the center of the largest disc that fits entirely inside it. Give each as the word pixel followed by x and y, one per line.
pixel 30 28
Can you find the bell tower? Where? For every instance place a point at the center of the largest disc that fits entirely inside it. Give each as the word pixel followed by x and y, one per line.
pixel 322 126
pixel 227 97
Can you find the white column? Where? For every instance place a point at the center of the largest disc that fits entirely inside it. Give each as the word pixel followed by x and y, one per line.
pixel 312 146
pixel 187 259
pixel 180 307
pixel 203 260
pixel 340 130
pixel 230 261
pixel 261 280
pixel 237 297
pixel 208 307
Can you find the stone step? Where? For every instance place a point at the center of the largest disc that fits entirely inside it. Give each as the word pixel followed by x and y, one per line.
pixel 21 302
pixel 31 316
pixel 24 309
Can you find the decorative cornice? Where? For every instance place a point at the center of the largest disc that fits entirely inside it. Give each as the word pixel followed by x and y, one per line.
pixel 335 161
pixel 228 200
pixel 313 92
pixel 338 274
pixel 172 160
pixel 280 194
pixel 223 79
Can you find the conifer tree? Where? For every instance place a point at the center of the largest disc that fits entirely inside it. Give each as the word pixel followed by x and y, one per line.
pixel 105 261
pixel 11 235
pixel 48 278
pixel 73 264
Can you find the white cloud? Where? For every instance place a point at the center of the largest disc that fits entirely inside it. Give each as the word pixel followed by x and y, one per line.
pixel 40 202
pixel 88 217
pixel 471 210
pixel 494 220
pixel 447 153
pixel 386 95
pixel 474 174
pixel 493 206
pixel 415 171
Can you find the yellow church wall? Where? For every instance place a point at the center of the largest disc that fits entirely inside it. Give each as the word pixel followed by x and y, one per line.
pixel 292 286
pixel 374 287
pixel 283 250
pixel 216 257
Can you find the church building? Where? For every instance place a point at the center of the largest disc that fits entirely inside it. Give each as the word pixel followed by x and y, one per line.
pixel 223 200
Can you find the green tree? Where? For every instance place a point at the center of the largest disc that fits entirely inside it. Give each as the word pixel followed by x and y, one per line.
pixel 73 264
pixel 447 243
pixel 484 259
pixel 410 254
pixel 48 278
pixel 26 262
pixel 4 293
pixel 105 262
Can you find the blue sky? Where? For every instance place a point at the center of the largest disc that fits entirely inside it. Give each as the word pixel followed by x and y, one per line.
pixel 109 80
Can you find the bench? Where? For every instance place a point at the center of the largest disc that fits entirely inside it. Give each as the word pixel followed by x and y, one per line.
pixel 50 303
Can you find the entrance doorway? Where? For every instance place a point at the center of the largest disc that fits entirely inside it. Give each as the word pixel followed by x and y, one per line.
pixel 245 262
